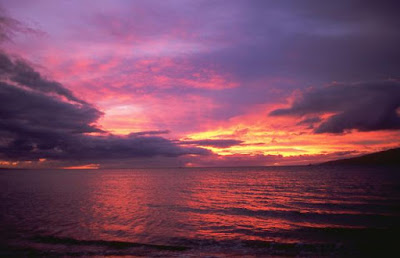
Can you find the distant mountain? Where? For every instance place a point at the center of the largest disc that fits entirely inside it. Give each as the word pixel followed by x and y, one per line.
pixel 388 157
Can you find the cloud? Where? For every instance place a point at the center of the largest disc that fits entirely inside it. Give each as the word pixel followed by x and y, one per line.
pixel 367 106
pixel 149 133
pixel 20 72
pixel 21 109
pixel 41 119
pixel 10 26
pixel 310 121
pixel 220 143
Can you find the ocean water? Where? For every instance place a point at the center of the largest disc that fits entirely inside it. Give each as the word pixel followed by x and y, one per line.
pixel 309 211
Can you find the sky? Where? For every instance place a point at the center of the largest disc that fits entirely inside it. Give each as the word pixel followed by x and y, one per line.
pixel 119 84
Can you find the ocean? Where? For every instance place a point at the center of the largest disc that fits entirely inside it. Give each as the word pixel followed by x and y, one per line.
pixel 306 211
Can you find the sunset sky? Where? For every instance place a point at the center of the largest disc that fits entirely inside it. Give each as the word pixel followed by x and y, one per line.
pixel 196 83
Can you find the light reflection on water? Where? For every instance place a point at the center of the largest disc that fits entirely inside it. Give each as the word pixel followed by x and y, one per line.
pixel 185 207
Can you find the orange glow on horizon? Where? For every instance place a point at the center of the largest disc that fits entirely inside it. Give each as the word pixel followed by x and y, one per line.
pixel 265 135
pixel 88 166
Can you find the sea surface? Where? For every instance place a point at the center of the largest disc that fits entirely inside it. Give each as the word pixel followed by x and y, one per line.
pixel 309 211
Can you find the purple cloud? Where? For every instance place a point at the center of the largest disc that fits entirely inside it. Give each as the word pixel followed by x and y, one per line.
pixel 363 106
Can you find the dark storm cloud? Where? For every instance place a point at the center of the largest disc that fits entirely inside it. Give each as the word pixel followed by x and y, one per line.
pixel 21 108
pixel 223 143
pixel 362 106
pixel 21 73
pixel 35 124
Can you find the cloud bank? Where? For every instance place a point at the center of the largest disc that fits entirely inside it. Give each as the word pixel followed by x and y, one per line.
pixel 367 106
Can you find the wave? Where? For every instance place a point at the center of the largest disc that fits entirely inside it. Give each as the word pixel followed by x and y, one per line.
pixel 52 246
pixel 105 243
pixel 295 216
pixel 348 242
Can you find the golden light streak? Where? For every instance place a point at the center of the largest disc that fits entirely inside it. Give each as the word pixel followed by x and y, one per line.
pixel 88 166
